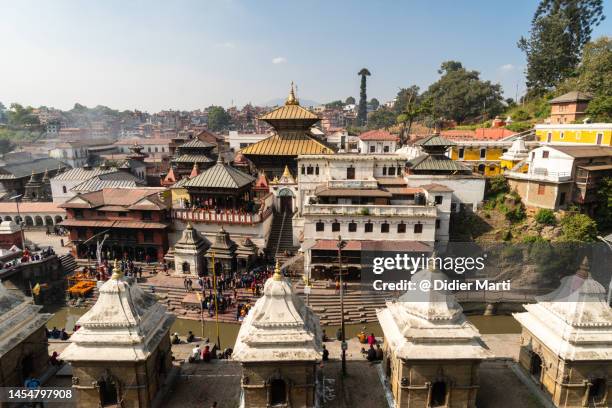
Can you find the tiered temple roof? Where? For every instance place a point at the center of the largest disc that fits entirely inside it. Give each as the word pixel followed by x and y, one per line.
pixel 279 327
pixel 19 318
pixel 221 175
pixel 125 324
pixel 430 325
pixel 191 241
pixel 574 321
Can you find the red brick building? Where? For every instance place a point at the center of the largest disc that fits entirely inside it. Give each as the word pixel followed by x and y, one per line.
pixel 134 221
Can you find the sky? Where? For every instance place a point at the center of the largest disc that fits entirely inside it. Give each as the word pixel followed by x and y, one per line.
pixel 186 55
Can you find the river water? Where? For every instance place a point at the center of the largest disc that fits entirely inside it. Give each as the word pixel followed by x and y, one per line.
pixel 66 317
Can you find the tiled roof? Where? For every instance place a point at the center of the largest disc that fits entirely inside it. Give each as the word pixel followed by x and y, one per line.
pixel 434 140
pixel 96 183
pixel 24 169
pixel 379 134
pixel 24 207
pixel 436 163
pixel 126 197
pixel 492 133
pixel 573 96
pixel 286 112
pixel 192 158
pixel 436 187
pixel 196 144
pixel 141 141
pixel 221 175
pixel 289 144
pixel 115 224
pixel 82 173
pixel 584 151
pixel 180 183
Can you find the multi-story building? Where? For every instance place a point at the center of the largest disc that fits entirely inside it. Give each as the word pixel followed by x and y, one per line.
pixel 377 141
pixel 569 107
pixel 599 134
pixel 153 147
pixel 561 175
pixel 131 223
pixel 485 156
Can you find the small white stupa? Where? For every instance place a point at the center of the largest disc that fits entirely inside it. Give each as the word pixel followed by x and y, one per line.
pixel 431 350
pixel 279 346
pixel 517 152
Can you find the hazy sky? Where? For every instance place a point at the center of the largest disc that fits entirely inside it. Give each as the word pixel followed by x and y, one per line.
pixel 190 54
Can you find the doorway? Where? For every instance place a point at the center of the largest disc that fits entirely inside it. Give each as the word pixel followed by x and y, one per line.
pixel 278 392
pixel 438 394
pixel 286 201
pixel 536 366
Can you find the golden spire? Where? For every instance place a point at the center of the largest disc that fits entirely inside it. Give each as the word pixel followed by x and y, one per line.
pixel 277 272
pixel 291 99
pixel 117 274
pixel 287 173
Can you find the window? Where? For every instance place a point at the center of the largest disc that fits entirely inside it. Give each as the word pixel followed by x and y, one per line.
pixel 386 149
pixel 562 198
pixel 163 149
pixel 384 170
pixel 320 226
pixel 437 224
pixel 101 213
pixel 64 190
pixel 392 171
pixel 303 169
pixel 549 137
pixel 483 153
pixel 461 153
pixel 78 213
pixel 438 199
pixel 372 149
pixel 541 189
pixel 418 228
pixel 369 227
pixel 384 227
pixel 401 228
pixel 545 154
pixel 243 145
pixel 121 214
pixel 335 226
pixel 147 236
pixel 352 227
pixel 350 173
pixel 309 170
pixel 317 170
pixel 149 149
pixel 146 215
pixel 561 135
pixel 599 138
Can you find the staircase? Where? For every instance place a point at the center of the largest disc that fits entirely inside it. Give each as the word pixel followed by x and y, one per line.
pixel 281 237
pixel 69 264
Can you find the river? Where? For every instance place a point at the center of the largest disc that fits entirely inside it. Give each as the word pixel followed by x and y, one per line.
pixel 66 317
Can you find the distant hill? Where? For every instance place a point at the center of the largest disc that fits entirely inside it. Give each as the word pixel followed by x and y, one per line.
pixel 281 101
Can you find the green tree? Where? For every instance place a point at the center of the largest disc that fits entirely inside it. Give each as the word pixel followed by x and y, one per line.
pixel 374 104
pixel 20 116
pixel 578 228
pixel 381 118
pixel 350 100
pixel 218 118
pixel 559 31
pixel 593 74
pixel 362 112
pixel 2 113
pixel 603 214
pixel 545 216
pixel 461 95
pixel 411 111
pixel 334 104
pixel 600 109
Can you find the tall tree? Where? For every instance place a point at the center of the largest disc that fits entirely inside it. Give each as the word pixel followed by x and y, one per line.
pixel 460 95
pixel 381 118
pixel 412 110
pixel 559 31
pixel 350 100
pixel 374 103
pixel 218 118
pixel 362 113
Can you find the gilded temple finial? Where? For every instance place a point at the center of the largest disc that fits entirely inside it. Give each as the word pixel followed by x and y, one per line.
pixel 277 272
pixel 291 99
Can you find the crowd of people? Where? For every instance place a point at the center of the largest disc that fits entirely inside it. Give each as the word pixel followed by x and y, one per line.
pixel 28 256
pixel 57 334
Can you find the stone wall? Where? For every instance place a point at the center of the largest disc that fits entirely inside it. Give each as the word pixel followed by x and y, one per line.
pixel 11 363
pixel 299 378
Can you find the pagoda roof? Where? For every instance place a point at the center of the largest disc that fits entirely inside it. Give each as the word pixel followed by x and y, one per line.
pixel 290 112
pixel 279 327
pixel 192 158
pixel 196 143
pixel 125 324
pixel 221 175
pixel 434 140
pixel 427 162
pixel 288 144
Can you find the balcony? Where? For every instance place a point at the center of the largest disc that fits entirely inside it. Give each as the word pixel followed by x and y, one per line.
pixel 352 183
pixel 371 210
pixel 221 217
pixel 540 174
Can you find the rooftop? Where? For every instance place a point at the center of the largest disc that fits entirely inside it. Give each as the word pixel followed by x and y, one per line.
pixel 132 198
pixel 221 175
pixel 573 96
pixel 379 134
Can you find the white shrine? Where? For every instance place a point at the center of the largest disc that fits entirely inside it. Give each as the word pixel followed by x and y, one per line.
pixel 566 342
pixel 121 353
pixel 279 346
pixel 431 351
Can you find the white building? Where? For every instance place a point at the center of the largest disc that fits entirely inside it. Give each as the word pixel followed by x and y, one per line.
pixel 73 153
pixel 238 141
pixel 153 147
pixel 377 142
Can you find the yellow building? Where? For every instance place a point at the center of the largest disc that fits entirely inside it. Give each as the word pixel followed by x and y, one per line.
pixel 578 134
pixel 485 156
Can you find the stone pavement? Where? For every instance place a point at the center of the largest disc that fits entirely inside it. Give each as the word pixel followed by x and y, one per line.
pixel 43 240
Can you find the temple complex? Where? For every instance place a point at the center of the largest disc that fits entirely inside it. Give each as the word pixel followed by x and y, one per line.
pixel 566 342
pixel 23 341
pixel 292 137
pixel 279 346
pixel 121 352
pixel 431 351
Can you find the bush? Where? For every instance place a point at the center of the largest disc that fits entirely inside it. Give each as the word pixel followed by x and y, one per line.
pixel 520 116
pixel 530 239
pixel 497 185
pixel 578 227
pixel 515 215
pixel 545 216
pixel 519 126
